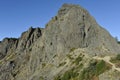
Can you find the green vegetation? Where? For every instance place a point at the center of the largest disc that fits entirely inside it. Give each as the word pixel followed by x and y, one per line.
pixel 72 74
pixel 116 38
pixel 94 69
pixel 116 60
pixel 77 60
pixel 80 66
pixel 118 42
pixel 118 57
pixel 62 64
pixel 55 56
pixel 43 65
pixel 70 57
pixel 41 78
pixel 101 67
pixel 72 49
pixel 68 75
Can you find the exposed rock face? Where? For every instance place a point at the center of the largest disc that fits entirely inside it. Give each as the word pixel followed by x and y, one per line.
pixel 28 37
pixel 6 45
pixel 13 52
pixel 38 53
pixel 73 27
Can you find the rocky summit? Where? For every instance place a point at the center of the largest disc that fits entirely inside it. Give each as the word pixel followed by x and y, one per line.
pixel 72 46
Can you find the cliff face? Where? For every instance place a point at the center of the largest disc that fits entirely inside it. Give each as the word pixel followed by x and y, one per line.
pixel 73 27
pixel 13 52
pixel 46 54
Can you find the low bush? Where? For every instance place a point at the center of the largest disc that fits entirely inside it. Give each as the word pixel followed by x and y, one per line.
pixel 77 60
pixel 118 57
pixel 68 75
pixel 62 64
pixel 94 69
pixel 72 49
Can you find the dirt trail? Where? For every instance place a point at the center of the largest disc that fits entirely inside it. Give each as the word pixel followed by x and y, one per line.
pixel 107 60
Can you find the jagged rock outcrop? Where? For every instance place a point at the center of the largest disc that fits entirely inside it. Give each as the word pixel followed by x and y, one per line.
pixel 13 52
pixel 39 53
pixel 6 45
pixel 29 37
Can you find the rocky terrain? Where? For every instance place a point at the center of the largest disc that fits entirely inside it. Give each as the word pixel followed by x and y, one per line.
pixel 72 46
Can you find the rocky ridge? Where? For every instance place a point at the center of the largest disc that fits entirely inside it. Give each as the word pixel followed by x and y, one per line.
pixel 69 40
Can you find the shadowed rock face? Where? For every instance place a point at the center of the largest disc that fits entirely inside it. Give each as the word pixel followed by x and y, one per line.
pixel 6 45
pixel 13 52
pixel 72 28
pixel 24 42
pixel 28 38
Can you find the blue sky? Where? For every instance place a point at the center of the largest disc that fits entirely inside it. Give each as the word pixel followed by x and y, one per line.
pixel 17 16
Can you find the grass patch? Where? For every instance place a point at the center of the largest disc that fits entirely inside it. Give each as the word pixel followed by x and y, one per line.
pixel 101 67
pixel 68 75
pixel 95 69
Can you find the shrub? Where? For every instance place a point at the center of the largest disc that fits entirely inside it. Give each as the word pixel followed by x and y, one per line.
pixel 118 57
pixel 62 64
pixel 68 75
pixel 94 69
pixel 77 60
pixel 43 65
pixel 101 67
pixel 72 49
pixel 70 57
pixel 41 78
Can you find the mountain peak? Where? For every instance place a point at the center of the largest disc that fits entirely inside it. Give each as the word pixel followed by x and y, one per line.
pixel 66 7
pixel 68 42
pixel 69 5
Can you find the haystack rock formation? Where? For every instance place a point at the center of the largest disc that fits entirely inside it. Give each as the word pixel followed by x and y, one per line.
pixel 69 40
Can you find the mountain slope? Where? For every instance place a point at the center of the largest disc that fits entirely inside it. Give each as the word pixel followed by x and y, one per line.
pixel 66 45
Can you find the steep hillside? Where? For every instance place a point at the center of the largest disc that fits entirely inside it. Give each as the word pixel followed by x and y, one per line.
pixel 64 50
